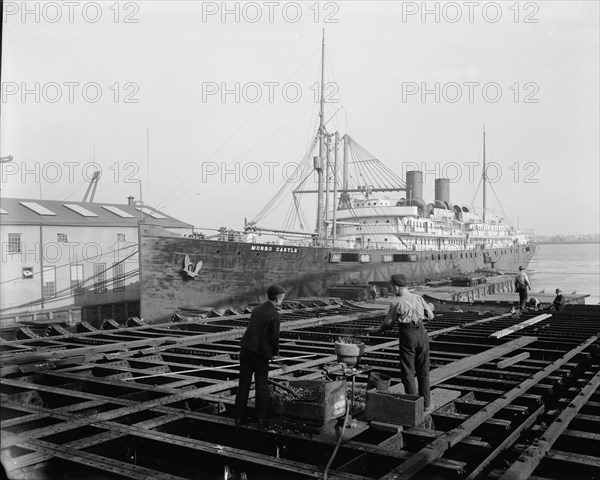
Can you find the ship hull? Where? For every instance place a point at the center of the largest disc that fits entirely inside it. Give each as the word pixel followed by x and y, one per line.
pixel 233 274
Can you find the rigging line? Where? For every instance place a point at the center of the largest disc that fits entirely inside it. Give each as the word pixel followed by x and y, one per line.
pixel 166 204
pixel 59 295
pixel 476 192
pixel 160 205
pixel 388 171
pixel 370 174
pixel 369 168
pixel 288 221
pixel 68 291
pixel 110 282
pixel 313 125
pixel 498 200
pixel 510 217
pixel 47 300
pixel 75 191
pixel 364 165
pixel 371 164
pixel 70 190
pixel 70 263
pixel 304 166
pixel 501 204
pixel 358 167
pixel 295 212
pixel 271 203
pixel 338 91
pixel 301 215
pixel 478 163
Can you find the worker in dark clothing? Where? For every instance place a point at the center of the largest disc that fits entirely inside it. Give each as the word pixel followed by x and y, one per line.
pixel 521 286
pixel 411 311
pixel 559 301
pixel 259 345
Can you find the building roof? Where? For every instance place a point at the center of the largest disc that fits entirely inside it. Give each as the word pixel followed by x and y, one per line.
pixel 19 211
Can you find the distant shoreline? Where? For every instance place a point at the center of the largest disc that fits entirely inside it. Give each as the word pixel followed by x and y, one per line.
pixel 567 242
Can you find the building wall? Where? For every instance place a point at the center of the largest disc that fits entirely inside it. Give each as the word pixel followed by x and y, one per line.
pixel 64 252
pixel 16 287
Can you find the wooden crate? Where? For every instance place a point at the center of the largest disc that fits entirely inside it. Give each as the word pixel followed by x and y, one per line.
pixel 394 408
pixel 326 402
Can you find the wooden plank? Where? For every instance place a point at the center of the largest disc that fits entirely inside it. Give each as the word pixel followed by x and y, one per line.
pixel 512 360
pixel 470 324
pixel 441 397
pixel 520 326
pixel 571 457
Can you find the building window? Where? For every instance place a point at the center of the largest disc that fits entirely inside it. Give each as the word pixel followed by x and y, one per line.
pixel 14 243
pixel 120 237
pixel 61 237
pixel 77 279
pixel 99 277
pixel 49 281
pixel 118 276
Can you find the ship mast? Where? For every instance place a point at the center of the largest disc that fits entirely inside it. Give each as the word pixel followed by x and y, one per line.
pixel 483 174
pixel 318 161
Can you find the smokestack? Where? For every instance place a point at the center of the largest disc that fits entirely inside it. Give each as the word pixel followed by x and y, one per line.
pixel 442 190
pixel 130 200
pixel 414 185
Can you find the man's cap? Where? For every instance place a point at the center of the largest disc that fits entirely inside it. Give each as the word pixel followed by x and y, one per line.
pixel 399 280
pixel 558 290
pixel 275 290
pixel 521 267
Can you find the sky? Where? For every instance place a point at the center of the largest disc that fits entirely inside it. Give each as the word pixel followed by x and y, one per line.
pixel 205 109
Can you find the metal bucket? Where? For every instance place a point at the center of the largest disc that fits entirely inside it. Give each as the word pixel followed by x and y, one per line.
pixel 349 353
pixel 380 381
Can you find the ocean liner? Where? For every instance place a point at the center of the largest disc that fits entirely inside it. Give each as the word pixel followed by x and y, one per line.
pixel 370 224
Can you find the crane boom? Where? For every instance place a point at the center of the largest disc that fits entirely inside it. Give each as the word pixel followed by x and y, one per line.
pixel 92 187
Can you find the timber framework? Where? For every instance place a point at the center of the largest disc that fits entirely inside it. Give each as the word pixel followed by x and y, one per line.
pixel 156 401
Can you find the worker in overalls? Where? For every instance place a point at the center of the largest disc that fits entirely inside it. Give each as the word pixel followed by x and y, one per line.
pixel 521 286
